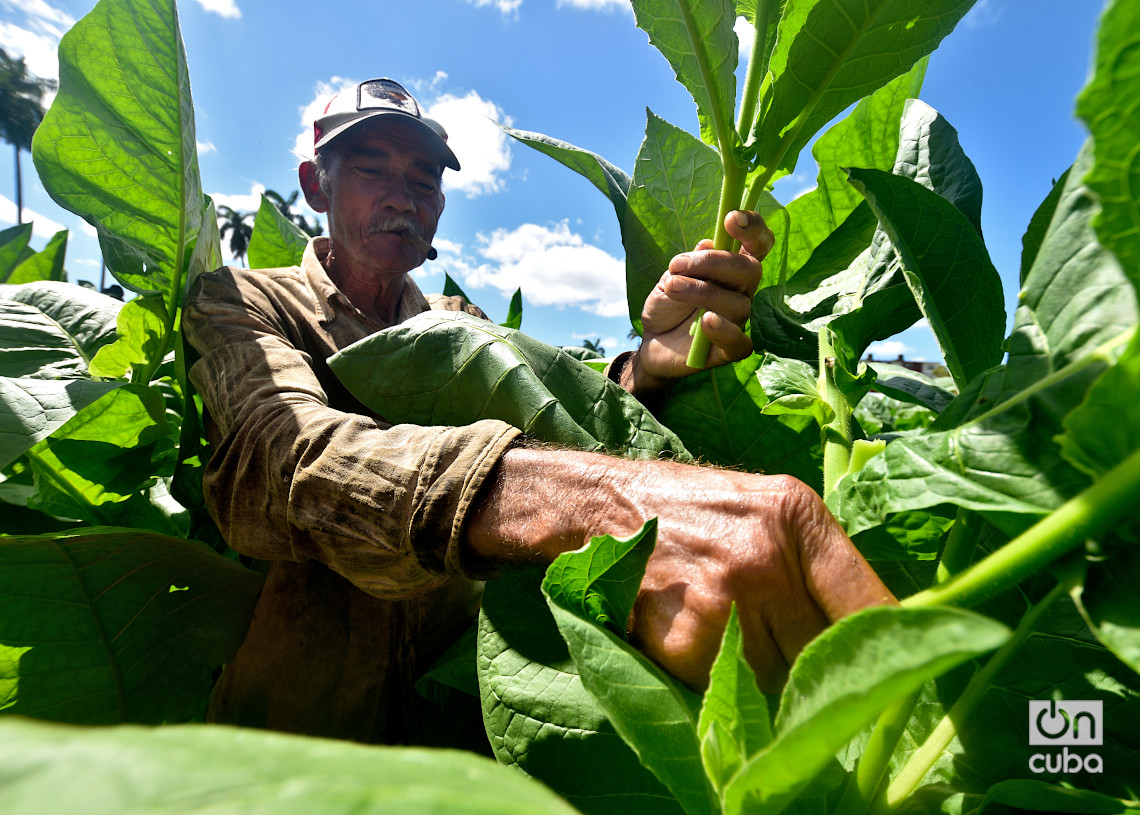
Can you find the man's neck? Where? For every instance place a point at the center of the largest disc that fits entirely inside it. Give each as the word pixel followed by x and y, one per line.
pixel 377 296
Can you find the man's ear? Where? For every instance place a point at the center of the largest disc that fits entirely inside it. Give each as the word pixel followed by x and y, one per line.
pixel 310 185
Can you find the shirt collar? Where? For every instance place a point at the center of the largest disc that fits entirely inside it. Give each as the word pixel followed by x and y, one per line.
pixel 328 298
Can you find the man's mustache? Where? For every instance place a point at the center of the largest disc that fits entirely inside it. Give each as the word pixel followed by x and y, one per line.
pixel 408 229
pixel 395 224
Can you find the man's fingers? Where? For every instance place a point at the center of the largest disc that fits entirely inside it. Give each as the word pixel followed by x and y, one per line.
pixel 754 235
pixel 733 272
pixel 836 574
pixel 733 304
pixel 728 338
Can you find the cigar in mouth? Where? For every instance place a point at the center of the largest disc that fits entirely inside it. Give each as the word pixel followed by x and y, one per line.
pixel 420 245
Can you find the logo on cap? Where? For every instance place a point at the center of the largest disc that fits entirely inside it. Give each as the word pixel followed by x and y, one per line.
pixel 380 93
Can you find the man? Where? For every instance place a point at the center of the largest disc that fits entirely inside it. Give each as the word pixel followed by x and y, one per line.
pixel 374 534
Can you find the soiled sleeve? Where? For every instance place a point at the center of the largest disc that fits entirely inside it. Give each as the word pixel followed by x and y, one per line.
pixel 292 478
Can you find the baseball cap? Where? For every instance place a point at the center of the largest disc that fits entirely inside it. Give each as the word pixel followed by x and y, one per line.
pixel 379 97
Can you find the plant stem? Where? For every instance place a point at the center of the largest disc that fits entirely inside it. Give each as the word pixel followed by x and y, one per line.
pixel 959 551
pixel 732 185
pixel 836 436
pixel 876 757
pixel 1087 515
pixel 757 68
pixel 730 191
pixel 922 759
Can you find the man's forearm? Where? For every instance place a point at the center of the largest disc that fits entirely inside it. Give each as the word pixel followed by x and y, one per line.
pixel 539 503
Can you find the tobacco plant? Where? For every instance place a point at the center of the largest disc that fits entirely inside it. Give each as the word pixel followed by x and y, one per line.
pixel 995 503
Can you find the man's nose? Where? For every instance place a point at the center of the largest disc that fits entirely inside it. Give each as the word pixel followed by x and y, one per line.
pixel 398 197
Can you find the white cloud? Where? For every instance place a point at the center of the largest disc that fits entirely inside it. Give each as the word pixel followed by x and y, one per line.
pixel 83 262
pixel 984 13
pixel 32 30
pixel 206 147
pixel 746 34
pixel 42 226
pixel 505 6
pixel 597 5
pixel 226 8
pixel 552 265
pixel 483 149
pixel 889 350
pixel 242 202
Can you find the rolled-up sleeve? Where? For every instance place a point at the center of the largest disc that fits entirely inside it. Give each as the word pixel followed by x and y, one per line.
pixel 292 477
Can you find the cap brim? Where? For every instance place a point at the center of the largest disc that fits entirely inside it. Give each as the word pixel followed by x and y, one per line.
pixel 446 156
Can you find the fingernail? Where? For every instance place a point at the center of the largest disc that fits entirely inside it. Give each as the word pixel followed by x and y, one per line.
pixel 680 263
pixel 742 219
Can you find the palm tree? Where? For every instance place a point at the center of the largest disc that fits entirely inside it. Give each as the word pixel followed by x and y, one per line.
pixel 240 228
pixel 285 207
pixel 21 111
pixel 595 346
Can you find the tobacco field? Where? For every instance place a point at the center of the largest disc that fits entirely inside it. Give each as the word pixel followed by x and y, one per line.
pixel 999 503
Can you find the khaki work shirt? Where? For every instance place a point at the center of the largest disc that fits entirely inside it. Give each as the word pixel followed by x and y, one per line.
pixel 359 520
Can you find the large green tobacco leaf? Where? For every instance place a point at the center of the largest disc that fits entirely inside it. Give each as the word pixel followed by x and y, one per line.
pixel 843 680
pixel 117 146
pixel 672 206
pixel 14 248
pixel 601 582
pixel 1108 602
pixel 610 179
pixel 1076 296
pixel 32 409
pixel 106 625
pixel 1058 661
pixel 653 712
pixel 538 715
pixel 1105 428
pixel 1036 796
pixel 792 388
pixel 102 456
pixel 1109 104
pixel 85 315
pixel 867 137
pixel 276 241
pixel 449 368
pixel 872 299
pixel 830 54
pixel 140 330
pixel 734 723
pixel 910 386
pixel 719 415
pixel 696 37
pixel 51 330
pixel 514 311
pixel 46 264
pixel 946 266
pixel 230 771
pixel 992 449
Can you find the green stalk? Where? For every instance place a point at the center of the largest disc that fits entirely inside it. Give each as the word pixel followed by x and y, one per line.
pixel 959 551
pixel 836 437
pixel 757 69
pixel 1088 515
pixel 730 192
pixel 732 185
pixel 922 759
pixel 876 757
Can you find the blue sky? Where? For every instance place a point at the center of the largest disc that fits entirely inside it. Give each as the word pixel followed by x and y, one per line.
pixel 579 70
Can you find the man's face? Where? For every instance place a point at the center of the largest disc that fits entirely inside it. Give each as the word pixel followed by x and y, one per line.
pixel 383 179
